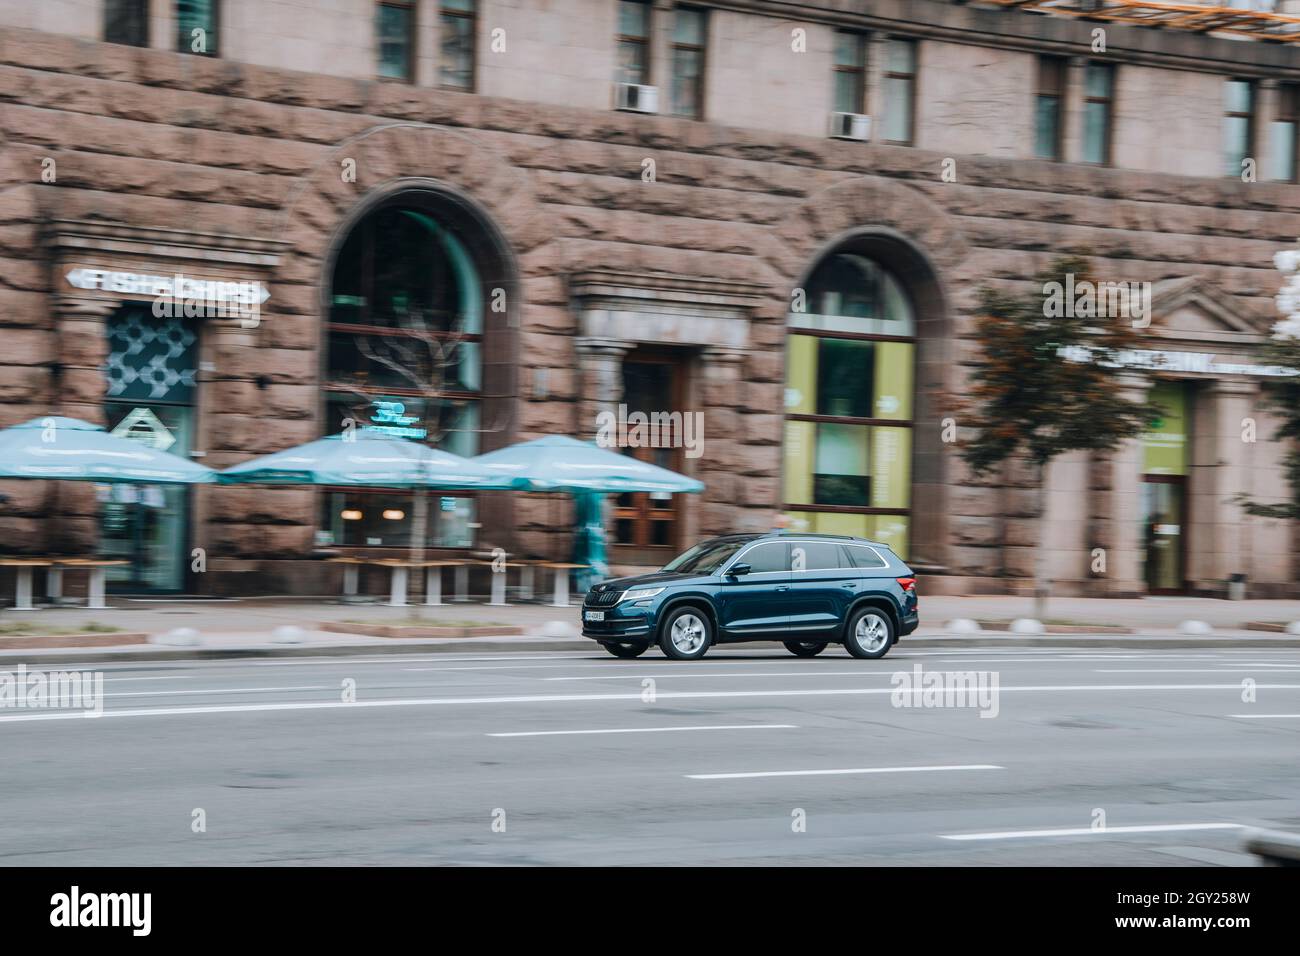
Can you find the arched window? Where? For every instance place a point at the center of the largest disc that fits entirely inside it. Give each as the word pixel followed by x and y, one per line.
pixel 850 358
pixel 404 349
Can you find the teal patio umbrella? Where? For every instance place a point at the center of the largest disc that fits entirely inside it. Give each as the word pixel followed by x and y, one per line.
pixel 73 450
pixel 587 471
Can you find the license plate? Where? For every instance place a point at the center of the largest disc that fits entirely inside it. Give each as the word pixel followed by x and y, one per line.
pixel 593 615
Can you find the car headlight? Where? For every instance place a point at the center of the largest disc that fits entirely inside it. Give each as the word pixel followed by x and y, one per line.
pixel 641 594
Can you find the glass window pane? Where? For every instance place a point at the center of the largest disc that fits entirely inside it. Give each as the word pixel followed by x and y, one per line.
pixel 465 6
pixel 891 530
pixel 844 379
pixel 1097 79
pixel 1237 94
pixel 686 73
pixel 126 21
pixel 1236 143
pixel 900 56
pixel 1096 118
pixel 631 62
pixel 898 110
pixel 863 557
pixel 196 26
pixel 798 458
pixel 891 458
pixel 814 556
pixel 688 27
pixel 633 18
pixel 849 50
pixel 850 293
pixel 1047 118
pixel 457 58
pixel 1282 160
pixel 840 468
pixel 892 382
pixel 395 42
pixel 848 92
pixel 765 558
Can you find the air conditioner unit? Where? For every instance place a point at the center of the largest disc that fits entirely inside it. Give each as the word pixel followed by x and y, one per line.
pixel 850 126
pixel 635 98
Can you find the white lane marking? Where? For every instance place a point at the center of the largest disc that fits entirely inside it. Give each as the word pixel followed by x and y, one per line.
pixel 177 677
pixel 1266 716
pixel 828 773
pixel 579 698
pixel 214 690
pixel 1177 670
pixel 1089 831
pixel 682 673
pixel 644 730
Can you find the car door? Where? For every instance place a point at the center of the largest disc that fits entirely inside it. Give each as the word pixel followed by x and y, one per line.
pixel 822 585
pixel 756 603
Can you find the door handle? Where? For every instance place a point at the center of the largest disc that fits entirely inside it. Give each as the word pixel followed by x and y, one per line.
pixel 850 586
pixel 783 587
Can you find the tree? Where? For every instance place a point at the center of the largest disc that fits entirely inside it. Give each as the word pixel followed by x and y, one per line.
pixel 1046 382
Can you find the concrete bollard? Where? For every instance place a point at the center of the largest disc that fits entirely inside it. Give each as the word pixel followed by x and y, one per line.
pixel 1273 847
pixel 559 629
pixel 178 637
pixel 1027 625
pixel 288 634
pixel 963 625
pixel 1195 627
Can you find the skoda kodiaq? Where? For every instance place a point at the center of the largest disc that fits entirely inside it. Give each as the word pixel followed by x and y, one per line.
pixel 805 590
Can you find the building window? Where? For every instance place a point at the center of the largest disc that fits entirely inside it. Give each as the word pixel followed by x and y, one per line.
pixel 1048 107
pixel 456 63
pixel 653 382
pixel 848 397
pixel 395 29
pixel 633 42
pixel 403 358
pixel 690 32
pixel 1282 162
pixel 1098 107
pixel 1238 116
pixel 196 26
pixel 900 91
pixel 850 72
pixel 127 22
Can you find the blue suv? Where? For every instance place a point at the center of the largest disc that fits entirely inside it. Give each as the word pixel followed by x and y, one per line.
pixel 805 590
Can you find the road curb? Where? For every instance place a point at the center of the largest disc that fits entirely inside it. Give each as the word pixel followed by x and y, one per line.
pixel 155 654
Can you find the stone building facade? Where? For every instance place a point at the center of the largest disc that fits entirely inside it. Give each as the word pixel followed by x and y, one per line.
pixel 640 258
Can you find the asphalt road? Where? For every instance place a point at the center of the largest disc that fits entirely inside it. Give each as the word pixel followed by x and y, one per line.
pixel 748 757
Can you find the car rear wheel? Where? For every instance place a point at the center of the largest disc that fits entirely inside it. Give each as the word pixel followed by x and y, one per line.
pixel 626 650
pixel 686 634
pixel 805 648
pixel 870 634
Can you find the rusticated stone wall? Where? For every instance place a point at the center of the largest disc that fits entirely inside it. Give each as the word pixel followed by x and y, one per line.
pixel 168 141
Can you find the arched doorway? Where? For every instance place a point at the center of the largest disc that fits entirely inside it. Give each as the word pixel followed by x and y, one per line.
pixel 418 343
pixel 860 433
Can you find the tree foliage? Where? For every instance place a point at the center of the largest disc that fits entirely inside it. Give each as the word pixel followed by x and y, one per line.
pixel 1282 396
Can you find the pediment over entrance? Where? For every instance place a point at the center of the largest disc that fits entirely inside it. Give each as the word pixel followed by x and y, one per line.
pixel 1194 309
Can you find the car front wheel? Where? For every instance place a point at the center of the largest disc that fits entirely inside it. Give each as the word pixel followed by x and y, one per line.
pixel 627 650
pixel 686 634
pixel 805 648
pixel 870 634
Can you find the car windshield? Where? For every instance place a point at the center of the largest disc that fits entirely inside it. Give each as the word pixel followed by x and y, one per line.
pixel 704 558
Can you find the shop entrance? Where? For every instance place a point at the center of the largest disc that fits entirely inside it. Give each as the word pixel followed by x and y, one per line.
pixel 1165 459
pixel 151 376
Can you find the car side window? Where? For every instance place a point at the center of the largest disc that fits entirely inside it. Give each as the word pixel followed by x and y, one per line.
pixel 814 556
pixel 864 557
pixel 766 557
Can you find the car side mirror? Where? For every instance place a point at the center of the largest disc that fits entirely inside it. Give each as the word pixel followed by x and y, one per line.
pixel 736 569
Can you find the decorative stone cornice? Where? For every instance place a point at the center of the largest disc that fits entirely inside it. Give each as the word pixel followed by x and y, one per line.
pixel 664 309
pixel 74 239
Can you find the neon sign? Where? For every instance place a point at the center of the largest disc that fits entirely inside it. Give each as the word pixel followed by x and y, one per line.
pixel 390 418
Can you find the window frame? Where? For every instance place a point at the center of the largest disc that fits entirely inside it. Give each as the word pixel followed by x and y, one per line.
pixel 621 39
pixel 1108 101
pixel 1043 91
pixel 413 32
pixel 445 13
pixel 142 11
pixel 860 41
pixel 215 31
pixel 1248 115
pixel 911 79
pixel 1288 113
pixel 703 50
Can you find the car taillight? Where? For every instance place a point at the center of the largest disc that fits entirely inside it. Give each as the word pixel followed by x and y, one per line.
pixel 907 584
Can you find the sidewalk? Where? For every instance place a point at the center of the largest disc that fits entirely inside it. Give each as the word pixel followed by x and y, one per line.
pixel 245 627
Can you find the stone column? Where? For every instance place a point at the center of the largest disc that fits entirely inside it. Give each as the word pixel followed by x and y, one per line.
pixel 78 392
pixel 600 362
pixel 1114 514
pixel 727 477
pixel 1217 541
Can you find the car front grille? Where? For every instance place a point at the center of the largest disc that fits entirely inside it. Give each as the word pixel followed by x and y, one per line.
pixel 602 598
